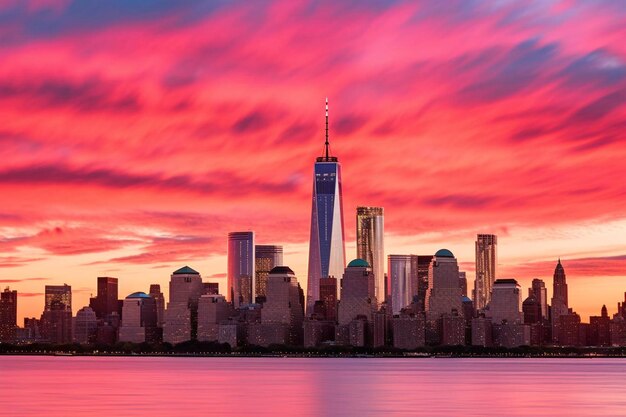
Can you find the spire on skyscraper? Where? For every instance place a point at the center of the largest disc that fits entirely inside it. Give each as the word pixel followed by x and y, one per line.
pixel 326 145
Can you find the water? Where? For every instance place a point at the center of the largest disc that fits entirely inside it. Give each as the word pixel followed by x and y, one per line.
pixel 145 386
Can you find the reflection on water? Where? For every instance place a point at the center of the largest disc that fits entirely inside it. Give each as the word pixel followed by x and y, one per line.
pixel 131 386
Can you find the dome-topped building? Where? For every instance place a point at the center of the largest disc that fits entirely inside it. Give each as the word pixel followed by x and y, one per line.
pixel 444 253
pixel 359 263
pixel 138 295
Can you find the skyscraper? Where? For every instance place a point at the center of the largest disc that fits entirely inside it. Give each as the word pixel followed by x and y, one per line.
pixel 402 275
pixel 370 226
pixel 8 315
pixel 106 302
pixel 283 313
pixel 559 283
pixel 506 302
pixel 139 319
pixel 241 282
pixel 444 296
pixel 541 294
pixel 266 257
pixel 559 299
pixel 85 326
pixel 56 326
pixel 486 262
pixel 327 246
pixel 155 292
pixel 181 315
pixel 357 292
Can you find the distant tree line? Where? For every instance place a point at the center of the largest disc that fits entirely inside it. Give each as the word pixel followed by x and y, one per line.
pixel 196 348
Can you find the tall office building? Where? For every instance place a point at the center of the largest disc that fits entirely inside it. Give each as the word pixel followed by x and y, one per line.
pixel 212 310
pixel 327 246
pixel 559 305
pixel 56 320
pixel 463 283
pixel 282 314
pixel 486 262
pixel 139 319
pixel 181 315
pixel 241 282
pixel 402 275
pixel 155 292
pixel 444 296
pixel 370 228
pixel 541 294
pixel 85 326
pixel 423 285
pixel 559 283
pixel 328 297
pixel 106 302
pixel 266 257
pixel 358 296
pixel 8 315
pixel 506 302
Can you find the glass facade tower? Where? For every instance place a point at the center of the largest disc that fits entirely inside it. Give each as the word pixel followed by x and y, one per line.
pixel 370 244
pixel 326 246
pixel 266 257
pixel 241 277
pixel 486 261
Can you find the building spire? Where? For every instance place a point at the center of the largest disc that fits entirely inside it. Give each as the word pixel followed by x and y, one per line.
pixel 326 144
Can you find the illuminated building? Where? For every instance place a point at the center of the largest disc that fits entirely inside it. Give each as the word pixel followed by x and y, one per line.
pixel 370 225
pixel 327 246
pixel 486 262
pixel 241 282
pixel 266 257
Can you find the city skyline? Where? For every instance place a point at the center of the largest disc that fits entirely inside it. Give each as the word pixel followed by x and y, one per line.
pixel 133 170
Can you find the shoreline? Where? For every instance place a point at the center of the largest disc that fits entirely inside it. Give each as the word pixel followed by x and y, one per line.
pixel 314 355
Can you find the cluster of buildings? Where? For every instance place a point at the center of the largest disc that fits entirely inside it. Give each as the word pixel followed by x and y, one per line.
pixel 421 300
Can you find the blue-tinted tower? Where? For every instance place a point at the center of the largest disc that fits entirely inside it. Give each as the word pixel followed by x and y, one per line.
pixel 327 246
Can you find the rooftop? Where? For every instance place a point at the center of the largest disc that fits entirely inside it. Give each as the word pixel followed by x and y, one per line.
pixel 282 270
pixel 186 270
pixel 358 263
pixel 138 295
pixel 444 253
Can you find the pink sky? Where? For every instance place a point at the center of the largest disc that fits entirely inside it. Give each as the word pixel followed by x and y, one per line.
pixel 135 135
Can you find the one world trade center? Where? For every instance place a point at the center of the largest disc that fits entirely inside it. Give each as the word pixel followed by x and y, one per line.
pixel 326 247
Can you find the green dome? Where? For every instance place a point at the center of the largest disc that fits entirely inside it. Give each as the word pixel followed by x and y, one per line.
pixel 359 263
pixel 444 253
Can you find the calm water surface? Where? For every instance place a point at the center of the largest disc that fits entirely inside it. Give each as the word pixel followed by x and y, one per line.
pixel 131 386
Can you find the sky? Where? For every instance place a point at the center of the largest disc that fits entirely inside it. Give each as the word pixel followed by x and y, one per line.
pixel 135 135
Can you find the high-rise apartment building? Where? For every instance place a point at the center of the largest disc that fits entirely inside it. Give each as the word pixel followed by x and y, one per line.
pixel 486 262
pixel 8 315
pixel 241 266
pixel 266 257
pixel 370 228
pixel 327 245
